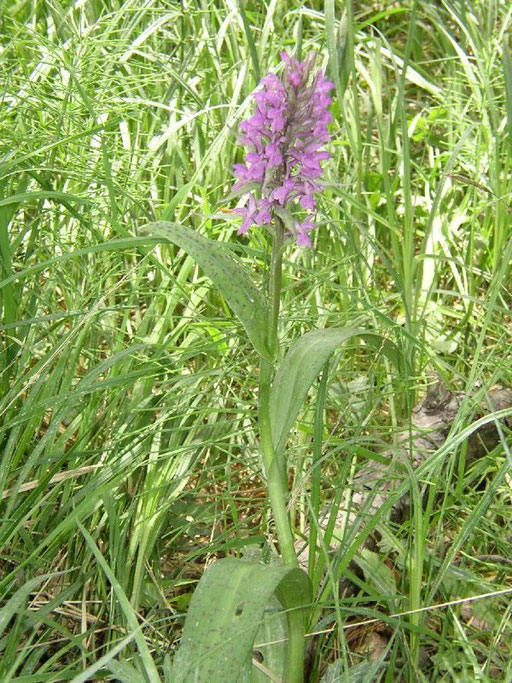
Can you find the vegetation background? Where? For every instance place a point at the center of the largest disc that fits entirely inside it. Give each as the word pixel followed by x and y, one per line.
pixel 128 459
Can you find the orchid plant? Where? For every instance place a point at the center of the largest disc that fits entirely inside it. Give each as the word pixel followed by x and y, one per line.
pixel 278 184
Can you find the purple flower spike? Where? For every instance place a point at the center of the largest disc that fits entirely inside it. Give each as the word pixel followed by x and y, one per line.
pixel 284 139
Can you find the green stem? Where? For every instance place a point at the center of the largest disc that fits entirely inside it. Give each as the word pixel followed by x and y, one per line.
pixel 275 484
pixel 276 476
pixel 274 471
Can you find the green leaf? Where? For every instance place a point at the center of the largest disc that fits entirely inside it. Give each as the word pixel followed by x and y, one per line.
pixel 250 42
pixel 131 618
pixel 507 69
pixel 273 657
pixel 16 604
pixel 231 279
pixel 123 672
pixel 225 614
pixel 365 672
pixel 301 366
pixel 377 573
pixel 269 652
pixel 9 301
pixel 16 199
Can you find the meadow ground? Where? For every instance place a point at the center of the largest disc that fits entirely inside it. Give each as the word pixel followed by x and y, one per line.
pixel 129 458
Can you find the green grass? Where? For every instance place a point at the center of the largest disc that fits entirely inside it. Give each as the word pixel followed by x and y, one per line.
pixel 128 459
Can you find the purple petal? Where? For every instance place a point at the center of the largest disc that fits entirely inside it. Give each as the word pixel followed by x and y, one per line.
pixel 284 139
pixel 308 202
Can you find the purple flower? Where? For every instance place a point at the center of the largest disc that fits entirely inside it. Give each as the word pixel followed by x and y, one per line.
pixel 284 139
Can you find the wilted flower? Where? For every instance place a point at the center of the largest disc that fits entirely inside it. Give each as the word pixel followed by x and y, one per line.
pixel 284 138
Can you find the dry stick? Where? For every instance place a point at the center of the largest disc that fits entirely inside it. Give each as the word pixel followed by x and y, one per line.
pixel 440 605
pixel 61 476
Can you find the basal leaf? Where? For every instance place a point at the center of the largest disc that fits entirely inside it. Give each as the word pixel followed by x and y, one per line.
pixel 227 275
pixel 301 366
pixel 273 630
pixel 225 614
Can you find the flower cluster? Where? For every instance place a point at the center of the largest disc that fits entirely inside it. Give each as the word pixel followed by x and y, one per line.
pixel 284 138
